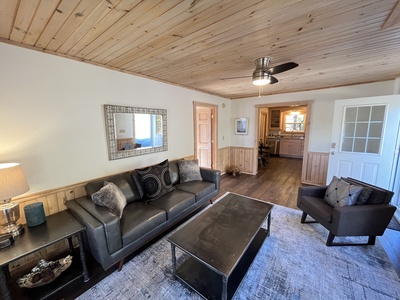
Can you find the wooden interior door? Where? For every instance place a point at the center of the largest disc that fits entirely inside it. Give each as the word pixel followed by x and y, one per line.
pixel 204 136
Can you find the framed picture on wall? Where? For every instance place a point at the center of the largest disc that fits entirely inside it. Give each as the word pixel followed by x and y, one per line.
pixel 241 125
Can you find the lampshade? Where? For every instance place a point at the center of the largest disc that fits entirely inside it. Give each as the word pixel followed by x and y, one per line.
pixel 260 74
pixel 12 181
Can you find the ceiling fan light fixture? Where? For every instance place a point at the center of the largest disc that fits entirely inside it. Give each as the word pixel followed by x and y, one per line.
pixel 261 80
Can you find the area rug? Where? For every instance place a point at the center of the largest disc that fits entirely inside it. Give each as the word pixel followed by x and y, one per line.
pixel 293 263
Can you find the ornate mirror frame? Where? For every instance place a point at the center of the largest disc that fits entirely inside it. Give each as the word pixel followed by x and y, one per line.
pixel 113 151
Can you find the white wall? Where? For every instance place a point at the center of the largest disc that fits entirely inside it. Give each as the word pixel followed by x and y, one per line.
pixel 52 118
pixel 321 114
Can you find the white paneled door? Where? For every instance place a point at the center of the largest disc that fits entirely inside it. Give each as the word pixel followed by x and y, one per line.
pixel 364 139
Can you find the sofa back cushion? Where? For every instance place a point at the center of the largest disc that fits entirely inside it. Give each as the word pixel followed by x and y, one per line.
pixel 174 172
pixel 123 181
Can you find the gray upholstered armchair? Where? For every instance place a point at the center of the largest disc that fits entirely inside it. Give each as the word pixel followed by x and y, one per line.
pixel 368 217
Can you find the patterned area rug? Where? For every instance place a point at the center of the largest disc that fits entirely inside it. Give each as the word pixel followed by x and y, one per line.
pixel 293 263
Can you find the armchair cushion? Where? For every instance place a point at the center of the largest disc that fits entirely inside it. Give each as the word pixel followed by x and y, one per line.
pixel 156 180
pixel 341 193
pixel 111 197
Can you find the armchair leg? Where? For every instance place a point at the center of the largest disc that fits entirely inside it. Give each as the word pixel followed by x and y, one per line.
pixel 329 241
pixel 371 240
pixel 303 217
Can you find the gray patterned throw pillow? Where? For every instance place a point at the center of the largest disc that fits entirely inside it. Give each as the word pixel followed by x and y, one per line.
pixel 110 196
pixel 189 170
pixel 156 180
pixel 341 193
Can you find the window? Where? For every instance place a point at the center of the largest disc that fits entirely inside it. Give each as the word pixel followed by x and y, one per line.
pixel 294 121
pixel 362 129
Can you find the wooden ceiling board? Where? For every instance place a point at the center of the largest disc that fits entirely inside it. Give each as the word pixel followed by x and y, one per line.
pixel 199 44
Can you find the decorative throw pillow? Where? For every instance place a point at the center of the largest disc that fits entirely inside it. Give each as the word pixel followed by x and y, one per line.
pixel 341 193
pixel 189 170
pixel 156 180
pixel 364 194
pixel 110 196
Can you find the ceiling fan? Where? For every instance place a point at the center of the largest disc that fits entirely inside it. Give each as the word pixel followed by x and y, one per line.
pixel 262 75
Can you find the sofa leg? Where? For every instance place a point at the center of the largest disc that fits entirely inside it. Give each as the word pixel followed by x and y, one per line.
pixel 211 202
pixel 303 217
pixel 121 264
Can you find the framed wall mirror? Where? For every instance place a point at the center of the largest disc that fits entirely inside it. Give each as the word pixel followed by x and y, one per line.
pixel 133 131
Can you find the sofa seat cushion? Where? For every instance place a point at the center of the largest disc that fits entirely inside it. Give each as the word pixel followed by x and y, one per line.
pixel 316 207
pixel 200 189
pixel 174 203
pixel 138 219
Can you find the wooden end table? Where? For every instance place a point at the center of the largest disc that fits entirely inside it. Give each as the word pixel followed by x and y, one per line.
pixel 59 226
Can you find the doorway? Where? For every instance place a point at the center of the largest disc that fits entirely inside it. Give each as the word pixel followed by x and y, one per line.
pixel 205 134
pixel 270 119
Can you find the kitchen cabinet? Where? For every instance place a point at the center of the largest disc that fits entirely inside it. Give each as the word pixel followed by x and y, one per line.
pixel 291 147
pixel 275 119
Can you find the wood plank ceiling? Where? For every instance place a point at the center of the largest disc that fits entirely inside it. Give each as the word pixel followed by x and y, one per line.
pixel 199 44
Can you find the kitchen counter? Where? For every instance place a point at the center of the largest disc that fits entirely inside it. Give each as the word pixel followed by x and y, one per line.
pixel 291 147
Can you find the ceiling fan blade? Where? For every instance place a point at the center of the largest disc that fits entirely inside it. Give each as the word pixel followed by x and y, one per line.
pixel 282 68
pixel 227 78
pixel 273 80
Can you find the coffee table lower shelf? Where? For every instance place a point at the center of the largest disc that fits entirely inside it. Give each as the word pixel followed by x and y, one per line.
pixel 209 283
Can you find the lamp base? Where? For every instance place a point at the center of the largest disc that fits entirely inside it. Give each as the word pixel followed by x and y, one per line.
pixel 13 229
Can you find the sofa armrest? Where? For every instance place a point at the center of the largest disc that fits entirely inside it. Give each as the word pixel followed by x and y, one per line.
pixel 362 220
pixel 95 237
pixel 312 191
pixel 211 175
pixel 111 223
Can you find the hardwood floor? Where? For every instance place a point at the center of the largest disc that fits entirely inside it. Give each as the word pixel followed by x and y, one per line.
pixel 278 183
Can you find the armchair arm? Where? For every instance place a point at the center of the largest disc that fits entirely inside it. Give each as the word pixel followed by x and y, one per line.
pixel 312 191
pixel 211 175
pixel 361 220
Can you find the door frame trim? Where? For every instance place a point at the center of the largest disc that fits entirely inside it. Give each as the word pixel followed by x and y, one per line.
pixel 307 103
pixel 214 130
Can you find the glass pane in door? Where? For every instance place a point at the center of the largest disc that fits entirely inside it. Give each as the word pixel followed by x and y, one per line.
pixel 362 129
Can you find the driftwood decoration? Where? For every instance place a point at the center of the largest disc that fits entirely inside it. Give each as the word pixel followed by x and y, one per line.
pixel 44 272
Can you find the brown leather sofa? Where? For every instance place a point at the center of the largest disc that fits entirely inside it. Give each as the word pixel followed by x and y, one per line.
pixel 369 219
pixel 111 239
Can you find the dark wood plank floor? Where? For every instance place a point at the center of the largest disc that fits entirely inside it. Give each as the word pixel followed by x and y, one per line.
pixel 278 182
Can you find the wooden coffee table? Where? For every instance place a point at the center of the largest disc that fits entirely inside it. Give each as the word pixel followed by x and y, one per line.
pixel 222 242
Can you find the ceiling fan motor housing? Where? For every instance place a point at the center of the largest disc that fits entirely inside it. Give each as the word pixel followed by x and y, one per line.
pixel 261 75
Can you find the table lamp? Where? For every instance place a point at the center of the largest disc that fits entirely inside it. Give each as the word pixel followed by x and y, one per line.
pixel 12 183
